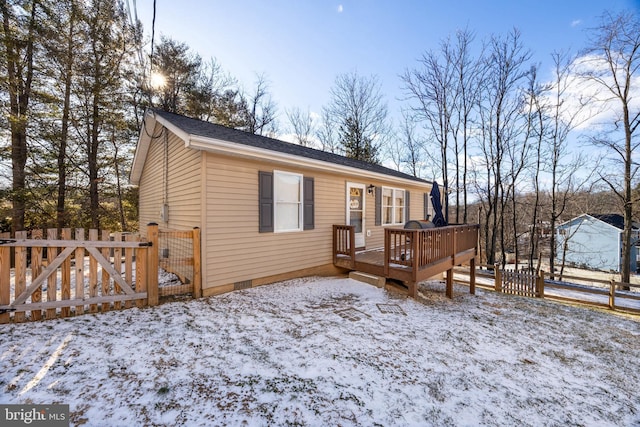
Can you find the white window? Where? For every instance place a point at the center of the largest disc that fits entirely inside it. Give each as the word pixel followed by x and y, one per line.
pixel 288 201
pixel 393 206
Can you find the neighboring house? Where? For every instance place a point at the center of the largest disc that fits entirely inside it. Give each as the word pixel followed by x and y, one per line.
pixel 594 241
pixel 265 207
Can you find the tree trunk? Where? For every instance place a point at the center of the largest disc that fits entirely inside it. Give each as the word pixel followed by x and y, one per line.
pixel 20 77
pixel 94 143
pixel 62 219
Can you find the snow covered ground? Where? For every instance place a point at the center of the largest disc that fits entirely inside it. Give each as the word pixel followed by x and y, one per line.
pixel 332 352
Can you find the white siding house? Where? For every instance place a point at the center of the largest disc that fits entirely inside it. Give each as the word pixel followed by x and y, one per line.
pixel 594 241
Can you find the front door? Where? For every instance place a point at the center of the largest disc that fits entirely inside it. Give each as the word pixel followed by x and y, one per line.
pixel 355 211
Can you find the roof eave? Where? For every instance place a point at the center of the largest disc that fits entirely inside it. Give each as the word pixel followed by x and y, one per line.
pixel 144 140
pixel 219 146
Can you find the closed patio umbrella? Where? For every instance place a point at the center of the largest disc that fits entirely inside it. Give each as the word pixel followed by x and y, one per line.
pixel 438 218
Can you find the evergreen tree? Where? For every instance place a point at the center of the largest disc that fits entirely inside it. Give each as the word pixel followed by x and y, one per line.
pixel 359 112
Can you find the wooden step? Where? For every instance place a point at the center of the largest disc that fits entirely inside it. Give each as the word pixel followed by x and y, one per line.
pixel 371 279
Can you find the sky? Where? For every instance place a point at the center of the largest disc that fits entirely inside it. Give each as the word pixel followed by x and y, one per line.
pixel 301 46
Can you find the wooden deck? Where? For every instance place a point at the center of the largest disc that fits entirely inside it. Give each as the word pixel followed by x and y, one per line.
pixel 411 256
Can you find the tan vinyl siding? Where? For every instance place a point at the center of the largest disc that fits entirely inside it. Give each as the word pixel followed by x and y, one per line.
pixel 416 209
pixel 234 250
pixel 184 195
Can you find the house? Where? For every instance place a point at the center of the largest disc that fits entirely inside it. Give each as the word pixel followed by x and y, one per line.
pixel 594 241
pixel 265 207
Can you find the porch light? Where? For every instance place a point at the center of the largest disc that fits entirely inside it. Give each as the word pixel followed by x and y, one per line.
pixel 370 188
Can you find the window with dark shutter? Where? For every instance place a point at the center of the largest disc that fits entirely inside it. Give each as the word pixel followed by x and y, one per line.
pixel 308 205
pixel 407 208
pixel 378 206
pixel 426 205
pixel 265 195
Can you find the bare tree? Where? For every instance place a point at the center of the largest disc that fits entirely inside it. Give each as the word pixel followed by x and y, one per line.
pixel 207 99
pixel 262 109
pixel 467 88
pixel 303 126
pixel 431 88
pixel 613 60
pixel 359 110
pixel 500 111
pixel 564 111
pixel 326 133
pixel 411 150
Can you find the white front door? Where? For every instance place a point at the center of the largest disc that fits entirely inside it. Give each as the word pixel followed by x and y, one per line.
pixel 355 211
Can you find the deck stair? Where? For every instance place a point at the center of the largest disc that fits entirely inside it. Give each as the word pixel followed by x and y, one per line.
pixel 371 279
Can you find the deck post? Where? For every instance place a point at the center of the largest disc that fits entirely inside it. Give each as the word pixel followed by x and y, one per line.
pixel 416 255
pixel 498 277
pixel 450 283
pixel 335 244
pixel 472 276
pixel 352 246
pixel 413 289
pixel 387 244
pixel 455 243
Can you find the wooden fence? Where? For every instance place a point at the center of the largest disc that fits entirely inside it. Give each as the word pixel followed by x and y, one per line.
pixel 521 283
pixel 70 274
pixel 179 254
pixel 610 294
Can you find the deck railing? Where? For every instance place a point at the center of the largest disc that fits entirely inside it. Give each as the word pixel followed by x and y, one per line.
pixel 418 248
pixel 344 242
pixel 411 255
pixel 411 249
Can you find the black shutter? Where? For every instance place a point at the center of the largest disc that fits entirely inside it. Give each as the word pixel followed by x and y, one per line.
pixel 378 205
pixel 407 206
pixel 426 205
pixel 308 208
pixel 265 196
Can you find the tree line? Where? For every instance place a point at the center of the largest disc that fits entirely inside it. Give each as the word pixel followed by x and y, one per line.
pixel 76 78
pixel 518 143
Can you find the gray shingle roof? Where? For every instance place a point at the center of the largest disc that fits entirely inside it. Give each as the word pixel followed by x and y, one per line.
pixel 212 130
pixel 616 220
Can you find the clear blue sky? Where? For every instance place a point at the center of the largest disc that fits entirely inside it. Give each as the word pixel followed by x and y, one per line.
pixel 301 45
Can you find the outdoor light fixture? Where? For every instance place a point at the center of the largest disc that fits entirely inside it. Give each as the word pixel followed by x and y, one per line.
pixel 370 188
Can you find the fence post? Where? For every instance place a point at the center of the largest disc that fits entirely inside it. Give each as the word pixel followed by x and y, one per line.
pixel 498 277
pixel 197 273
pixel 612 295
pixel 152 264
pixel 540 284
pixel 5 278
pixel 20 274
pixel 472 276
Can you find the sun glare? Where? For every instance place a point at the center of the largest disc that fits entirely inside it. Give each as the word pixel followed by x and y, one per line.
pixel 157 80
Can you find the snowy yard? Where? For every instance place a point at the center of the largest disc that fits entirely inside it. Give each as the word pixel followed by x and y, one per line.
pixel 332 352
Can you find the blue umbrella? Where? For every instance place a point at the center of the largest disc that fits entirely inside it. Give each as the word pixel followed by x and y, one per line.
pixel 438 218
